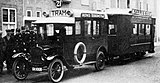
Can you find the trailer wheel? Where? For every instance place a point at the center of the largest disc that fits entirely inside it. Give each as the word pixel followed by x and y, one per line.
pixel 100 61
pixel 140 55
pixel 20 69
pixel 56 70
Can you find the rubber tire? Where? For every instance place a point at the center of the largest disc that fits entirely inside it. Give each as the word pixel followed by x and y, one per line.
pixel 100 57
pixel 14 67
pixel 50 70
pixel 140 55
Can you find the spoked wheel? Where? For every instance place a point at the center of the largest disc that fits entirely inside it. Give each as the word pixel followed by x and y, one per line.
pixel 19 69
pixel 56 70
pixel 100 61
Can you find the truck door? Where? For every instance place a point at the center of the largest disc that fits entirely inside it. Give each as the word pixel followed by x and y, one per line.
pixel 92 36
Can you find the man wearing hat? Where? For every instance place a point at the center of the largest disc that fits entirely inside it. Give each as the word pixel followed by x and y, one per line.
pixel 12 32
pixel 2 46
pixel 9 40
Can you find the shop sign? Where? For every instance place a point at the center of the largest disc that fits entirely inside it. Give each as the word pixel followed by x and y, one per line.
pixel 93 15
pixel 66 13
pixel 140 12
pixel 141 19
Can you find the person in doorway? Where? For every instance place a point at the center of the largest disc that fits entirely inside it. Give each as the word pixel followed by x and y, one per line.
pixel 9 40
pixel 2 48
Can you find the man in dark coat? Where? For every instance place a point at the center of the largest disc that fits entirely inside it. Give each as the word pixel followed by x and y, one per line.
pixel 2 48
pixel 18 41
pixel 9 40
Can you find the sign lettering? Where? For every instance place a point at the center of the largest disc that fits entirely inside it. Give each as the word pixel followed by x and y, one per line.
pixel 140 12
pixel 61 13
pixel 93 15
pixel 58 3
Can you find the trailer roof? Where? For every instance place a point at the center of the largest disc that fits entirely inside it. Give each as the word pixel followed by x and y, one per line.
pixel 113 11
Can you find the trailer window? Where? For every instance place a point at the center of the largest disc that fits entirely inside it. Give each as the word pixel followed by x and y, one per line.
pixel 148 29
pixel 87 25
pixel 135 29
pixel 78 28
pixel 96 27
pixel 141 29
pixel 112 29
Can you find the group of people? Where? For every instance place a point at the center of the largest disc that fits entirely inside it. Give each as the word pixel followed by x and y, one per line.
pixel 24 38
pixel 11 41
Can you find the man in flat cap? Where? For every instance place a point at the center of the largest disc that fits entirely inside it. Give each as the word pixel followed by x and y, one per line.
pixel 9 40
pixel 12 32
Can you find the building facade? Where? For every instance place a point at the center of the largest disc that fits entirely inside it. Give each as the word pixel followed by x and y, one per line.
pixel 17 13
pixel 34 9
pixel 11 15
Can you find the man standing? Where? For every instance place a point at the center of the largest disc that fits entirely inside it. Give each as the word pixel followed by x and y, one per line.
pixel 9 40
pixel 2 48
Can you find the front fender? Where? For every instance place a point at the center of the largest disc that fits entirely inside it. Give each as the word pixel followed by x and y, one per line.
pixel 18 55
pixel 49 58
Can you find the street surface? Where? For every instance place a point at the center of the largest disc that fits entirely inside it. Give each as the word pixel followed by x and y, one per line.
pixel 146 70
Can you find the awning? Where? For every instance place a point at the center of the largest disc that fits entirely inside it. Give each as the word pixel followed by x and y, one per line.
pixel 66 20
pixel 32 18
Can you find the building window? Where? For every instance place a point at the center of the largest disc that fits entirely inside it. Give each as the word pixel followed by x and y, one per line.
pixel 5 15
pixel 29 13
pixel 12 15
pixel 118 4
pixel 38 14
pixel 78 28
pixel 85 2
pixel 87 25
pixel 140 5
pixel 128 3
pixel 8 19
pixel 147 6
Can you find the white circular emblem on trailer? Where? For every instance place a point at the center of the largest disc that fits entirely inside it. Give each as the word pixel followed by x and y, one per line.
pixel 80 52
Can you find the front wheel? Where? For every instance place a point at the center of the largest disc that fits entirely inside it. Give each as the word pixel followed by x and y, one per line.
pixel 100 61
pixel 19 69
pixel 56 70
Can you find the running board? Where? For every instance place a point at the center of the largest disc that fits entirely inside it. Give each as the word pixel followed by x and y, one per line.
pixel 91 62
pixel 87 63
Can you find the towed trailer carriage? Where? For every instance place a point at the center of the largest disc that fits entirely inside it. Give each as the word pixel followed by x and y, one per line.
pixel 130 32
pixel 67 38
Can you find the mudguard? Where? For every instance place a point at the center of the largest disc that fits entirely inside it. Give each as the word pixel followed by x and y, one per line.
pixel 50 58
pixel 18 55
